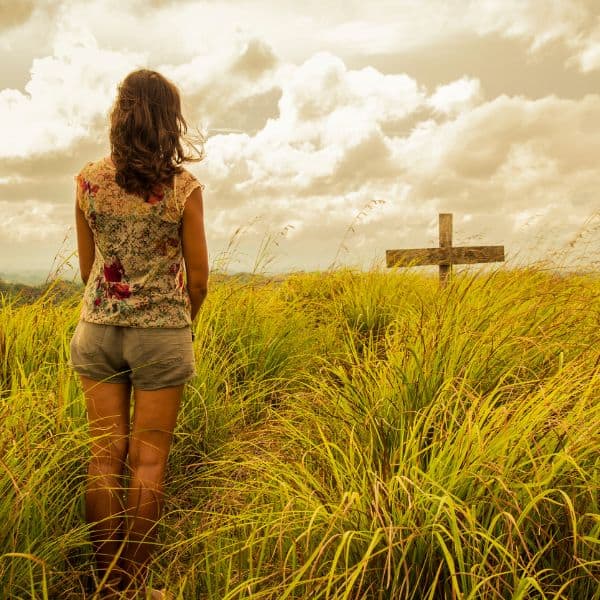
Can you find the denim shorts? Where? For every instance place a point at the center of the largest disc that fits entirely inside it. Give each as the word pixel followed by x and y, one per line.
pixel 149 357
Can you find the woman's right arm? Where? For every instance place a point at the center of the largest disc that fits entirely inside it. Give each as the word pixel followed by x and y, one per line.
pixel 195 252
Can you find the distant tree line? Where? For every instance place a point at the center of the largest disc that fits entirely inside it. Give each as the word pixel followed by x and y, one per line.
pixel 56 291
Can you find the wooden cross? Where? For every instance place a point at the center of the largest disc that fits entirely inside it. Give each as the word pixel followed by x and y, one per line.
pixel 446 255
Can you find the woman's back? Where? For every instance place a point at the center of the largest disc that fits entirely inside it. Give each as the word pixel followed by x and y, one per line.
pixel 138 275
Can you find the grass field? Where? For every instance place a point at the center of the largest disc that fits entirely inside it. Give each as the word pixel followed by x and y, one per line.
pixel 348 435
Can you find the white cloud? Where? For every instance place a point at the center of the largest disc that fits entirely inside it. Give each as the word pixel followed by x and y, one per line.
pixel 456 96
pixel 539 22
pixel 325 112
pixel 589 53
pixel 65 94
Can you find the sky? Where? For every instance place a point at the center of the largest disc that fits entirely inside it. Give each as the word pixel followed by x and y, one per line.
pixel 335 129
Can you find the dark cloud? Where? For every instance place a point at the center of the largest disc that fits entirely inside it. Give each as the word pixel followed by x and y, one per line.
pixel 504 66
pixel 243 95
pixel 256 58
pixel 401 127
pixel 14 13
pixel 563 130
pixel 369 160
pixel 250 113
pixel 58 190
pixel 229 106
pixel 51 165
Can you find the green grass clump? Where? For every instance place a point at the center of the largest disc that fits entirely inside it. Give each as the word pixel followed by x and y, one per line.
pixel 348 435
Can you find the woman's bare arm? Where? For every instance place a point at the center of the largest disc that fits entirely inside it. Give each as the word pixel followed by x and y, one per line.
pixel 195 251
pixel 85 243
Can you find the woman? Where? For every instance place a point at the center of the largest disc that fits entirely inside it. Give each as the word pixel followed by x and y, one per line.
pixel 139 219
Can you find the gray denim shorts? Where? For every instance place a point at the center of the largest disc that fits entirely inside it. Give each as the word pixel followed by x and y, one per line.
pixel 150 357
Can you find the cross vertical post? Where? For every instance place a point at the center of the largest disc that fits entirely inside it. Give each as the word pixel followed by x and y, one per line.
pixel 445 242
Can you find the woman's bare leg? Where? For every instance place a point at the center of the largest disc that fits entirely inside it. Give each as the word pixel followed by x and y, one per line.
pixel 108 415
pixel 154 418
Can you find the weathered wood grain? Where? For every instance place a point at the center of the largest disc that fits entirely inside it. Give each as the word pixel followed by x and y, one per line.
pixel 445 229
pixel 457 255
pixel 446 255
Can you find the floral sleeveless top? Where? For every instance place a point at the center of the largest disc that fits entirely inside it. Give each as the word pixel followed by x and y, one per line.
pixel 137 278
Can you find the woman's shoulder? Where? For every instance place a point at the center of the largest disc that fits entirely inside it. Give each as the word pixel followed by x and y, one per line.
pixel 186 175
pixel 187 182
pixel 93 167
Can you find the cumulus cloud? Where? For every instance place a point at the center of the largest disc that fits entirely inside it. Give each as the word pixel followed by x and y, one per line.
pixel 312 147
pixel 456 96
pixel 329 124
pixel 66 92
pixel 235 88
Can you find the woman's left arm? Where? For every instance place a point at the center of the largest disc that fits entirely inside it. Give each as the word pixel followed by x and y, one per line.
pixel 85 242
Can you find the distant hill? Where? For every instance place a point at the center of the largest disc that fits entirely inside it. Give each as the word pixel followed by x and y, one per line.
pixel 57 291
pixel 62 289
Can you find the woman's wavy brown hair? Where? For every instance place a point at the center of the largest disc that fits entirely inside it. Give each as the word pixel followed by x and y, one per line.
pixel 146 130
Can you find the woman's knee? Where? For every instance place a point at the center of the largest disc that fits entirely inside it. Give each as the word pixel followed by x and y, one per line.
pixel 147 463
pixel 110 455
pixel 148 478
pixel 103 467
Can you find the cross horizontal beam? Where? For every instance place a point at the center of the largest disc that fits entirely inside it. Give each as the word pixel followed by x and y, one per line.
pixel 455 255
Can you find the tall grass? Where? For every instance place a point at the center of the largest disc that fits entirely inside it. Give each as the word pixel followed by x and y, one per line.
pixel 348 435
